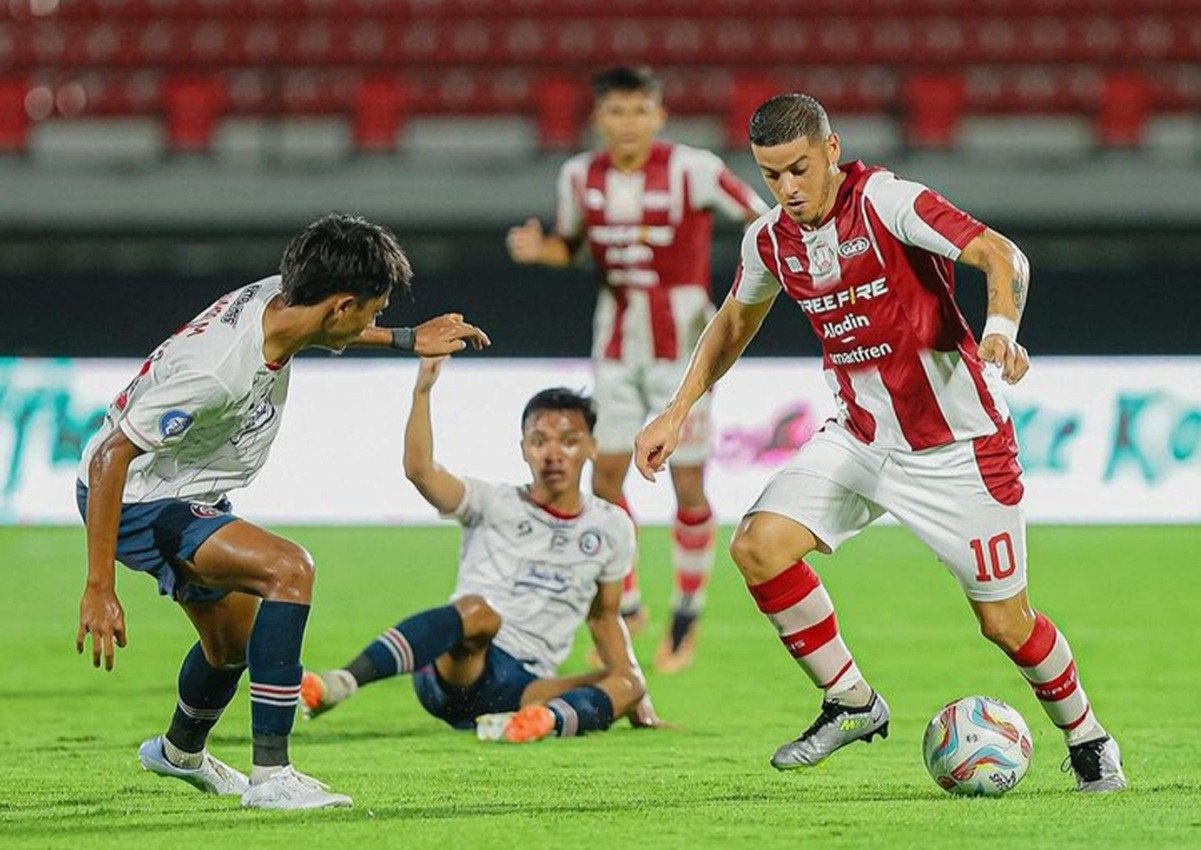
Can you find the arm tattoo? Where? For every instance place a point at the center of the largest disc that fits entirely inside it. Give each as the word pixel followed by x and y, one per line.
pixel 1021 279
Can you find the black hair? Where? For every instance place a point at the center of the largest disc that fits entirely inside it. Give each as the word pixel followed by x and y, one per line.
pixel 561 398
pixel 343 253
pixel 624 78
pixel 787 117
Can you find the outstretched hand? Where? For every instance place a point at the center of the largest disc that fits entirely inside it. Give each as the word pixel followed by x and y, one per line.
pixel 525 242
pixel 101 616
pixel 1006 353
pixel 654 445
pixel 447 334
pixel 428 372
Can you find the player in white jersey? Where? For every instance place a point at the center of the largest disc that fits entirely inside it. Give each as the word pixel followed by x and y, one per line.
pixel 644 209
pixel 536 561
pixel 197 421
pixel 922 431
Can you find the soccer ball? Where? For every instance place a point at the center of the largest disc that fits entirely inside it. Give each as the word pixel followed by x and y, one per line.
pixel 977 747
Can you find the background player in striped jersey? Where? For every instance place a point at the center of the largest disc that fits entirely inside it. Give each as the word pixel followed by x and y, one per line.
pixel 196 422
pixel 536 561
pixel 645 210
pixel 922 429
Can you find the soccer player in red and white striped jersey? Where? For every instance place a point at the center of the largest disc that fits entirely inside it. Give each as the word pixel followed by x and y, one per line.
pixel 922 430
pixel 644 208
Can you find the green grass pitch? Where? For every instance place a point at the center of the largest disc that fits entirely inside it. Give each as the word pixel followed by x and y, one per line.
pixel 1126 597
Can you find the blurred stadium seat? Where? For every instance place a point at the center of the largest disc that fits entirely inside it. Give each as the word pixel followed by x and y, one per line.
pixel 928 64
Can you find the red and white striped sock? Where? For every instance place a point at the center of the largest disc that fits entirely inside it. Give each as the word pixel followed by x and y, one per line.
pixel 801 610
pixel 692 541
pixel 1045 659
pixel 631 594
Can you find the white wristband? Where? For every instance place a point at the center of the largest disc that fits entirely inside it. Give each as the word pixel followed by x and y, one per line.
pixel 1001 325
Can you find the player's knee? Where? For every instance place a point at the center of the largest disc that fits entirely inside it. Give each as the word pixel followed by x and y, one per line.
pixel 752 555
pixel 480 620
pixel 292 574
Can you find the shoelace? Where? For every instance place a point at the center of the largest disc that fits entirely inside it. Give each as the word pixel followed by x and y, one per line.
pixel 1085 760
pixel 830 711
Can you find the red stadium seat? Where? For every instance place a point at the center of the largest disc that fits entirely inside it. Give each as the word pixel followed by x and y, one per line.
pixel 934 105
pixel 559 103
pixel 14 117
pixel 745 97
pixel 193 105
pixel 1125 108
pixel 380 108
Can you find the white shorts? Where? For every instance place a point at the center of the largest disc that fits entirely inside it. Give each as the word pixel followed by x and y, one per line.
pixel 627 394
pixel 962 499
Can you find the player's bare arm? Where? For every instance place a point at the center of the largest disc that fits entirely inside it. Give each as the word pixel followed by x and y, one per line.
pixel 529 245
pixel 612 641
pixel 719 347
pixel 1008 275
pixel 440 488
pixel 100 612
pixel 441 335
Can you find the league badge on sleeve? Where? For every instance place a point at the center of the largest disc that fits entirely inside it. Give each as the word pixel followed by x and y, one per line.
pixel 173 423
pixel 590 542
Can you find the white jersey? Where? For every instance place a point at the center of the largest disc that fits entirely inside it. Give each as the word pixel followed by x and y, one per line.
pixel 204 407
pixel 538 569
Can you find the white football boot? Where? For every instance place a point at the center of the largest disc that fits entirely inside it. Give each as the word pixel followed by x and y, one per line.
pixel 1097 765
pixel 288 788
pixel 213 776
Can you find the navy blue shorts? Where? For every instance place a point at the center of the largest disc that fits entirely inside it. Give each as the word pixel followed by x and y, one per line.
pixel 154 536
pixel 498 689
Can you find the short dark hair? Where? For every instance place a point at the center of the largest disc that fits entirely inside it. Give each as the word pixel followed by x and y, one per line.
pixel 787 117
pixel 343 253
pixel 561 398
pixel 625 78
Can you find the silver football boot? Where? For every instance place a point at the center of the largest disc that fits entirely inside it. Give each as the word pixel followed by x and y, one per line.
pixel 835 727
pixel 1097 765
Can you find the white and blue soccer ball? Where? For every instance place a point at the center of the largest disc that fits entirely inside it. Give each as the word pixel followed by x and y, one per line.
pixel 977 747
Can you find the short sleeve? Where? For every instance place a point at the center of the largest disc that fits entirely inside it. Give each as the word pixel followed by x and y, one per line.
pixel 919 216
pixel 479 502
pixel 569 214
pixel 713 186
pixel 622 545
pixel 163 413
pixel 754 283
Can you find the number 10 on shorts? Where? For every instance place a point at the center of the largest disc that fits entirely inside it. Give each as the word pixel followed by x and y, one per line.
pixel 998 562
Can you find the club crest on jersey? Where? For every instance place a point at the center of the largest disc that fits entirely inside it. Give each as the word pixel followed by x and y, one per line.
pixel 823 258
pixel 205 511
pixel 173 423
pixel 590 542
pixel 854 247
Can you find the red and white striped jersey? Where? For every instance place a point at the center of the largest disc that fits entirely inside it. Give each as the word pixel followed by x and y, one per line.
pixel 650 232
pixel 877 282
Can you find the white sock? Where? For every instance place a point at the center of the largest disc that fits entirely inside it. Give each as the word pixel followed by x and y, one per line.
pixel 260 773
pixel 179 758
pixel 856 696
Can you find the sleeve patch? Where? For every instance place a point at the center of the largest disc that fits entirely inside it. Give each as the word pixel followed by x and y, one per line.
pixel 173 423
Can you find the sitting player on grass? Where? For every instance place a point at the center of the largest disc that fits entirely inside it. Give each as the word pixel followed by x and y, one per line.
pixel 536 561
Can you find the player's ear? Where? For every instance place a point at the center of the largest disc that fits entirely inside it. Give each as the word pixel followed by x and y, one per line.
pixel 833 148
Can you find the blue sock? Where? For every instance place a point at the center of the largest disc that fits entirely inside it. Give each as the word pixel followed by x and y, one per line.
pixel 409 645
pixel 583 709
pixel 204 691
pixel 274 656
